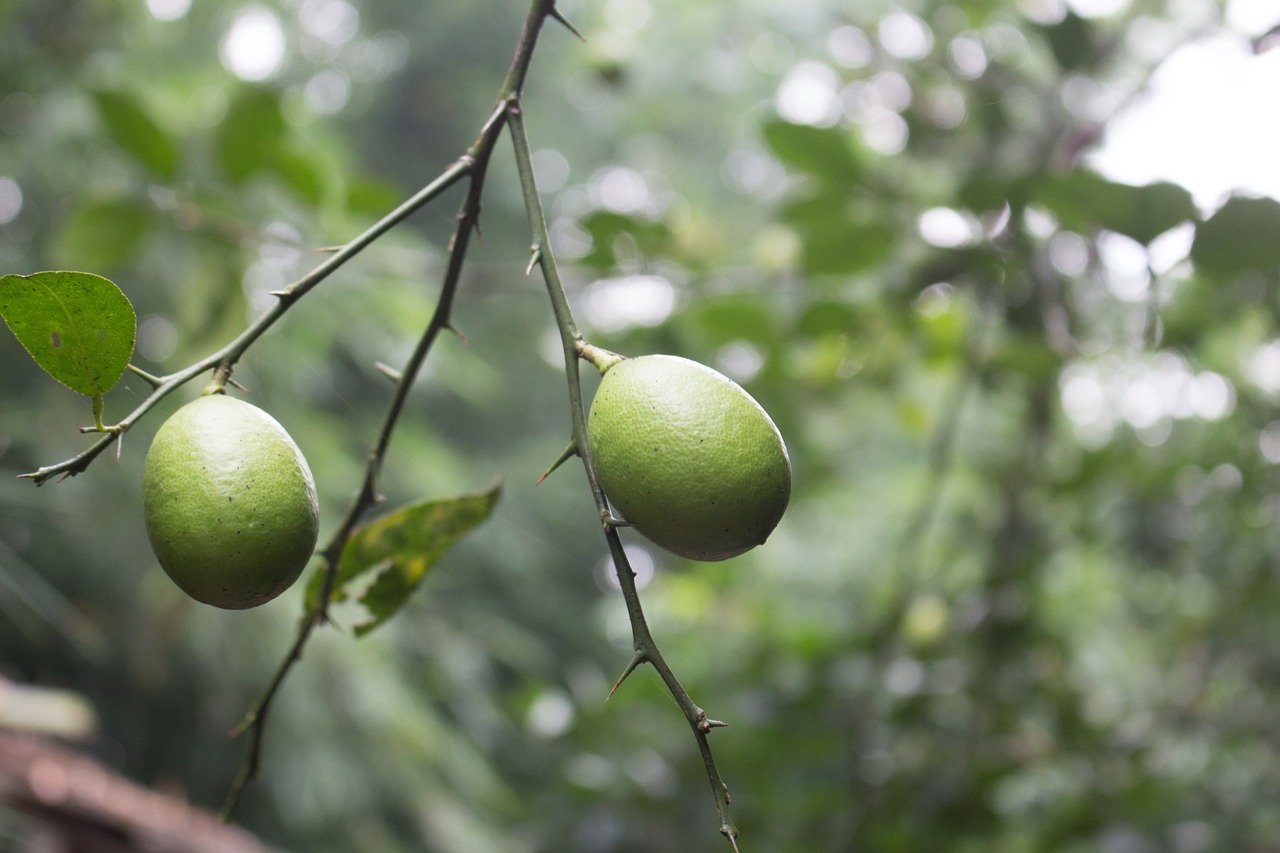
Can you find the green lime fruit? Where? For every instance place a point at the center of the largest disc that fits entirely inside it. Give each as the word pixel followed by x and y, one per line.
pixel 687 457
pixel 230 503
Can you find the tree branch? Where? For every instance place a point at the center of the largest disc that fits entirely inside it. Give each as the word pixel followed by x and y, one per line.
pixel 576 349
pixel 474 164
pixel 162 386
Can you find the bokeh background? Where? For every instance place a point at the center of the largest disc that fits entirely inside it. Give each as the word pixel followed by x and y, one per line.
pixel 1026 359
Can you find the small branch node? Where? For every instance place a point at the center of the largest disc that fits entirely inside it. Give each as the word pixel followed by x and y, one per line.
pixel 611 520
pixel 110 430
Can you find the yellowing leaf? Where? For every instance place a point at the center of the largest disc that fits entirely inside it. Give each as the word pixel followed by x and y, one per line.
pixel 401 547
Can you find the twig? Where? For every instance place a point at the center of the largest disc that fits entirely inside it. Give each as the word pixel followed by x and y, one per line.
pixel 162 386
pixel 575 348
pixel 473 164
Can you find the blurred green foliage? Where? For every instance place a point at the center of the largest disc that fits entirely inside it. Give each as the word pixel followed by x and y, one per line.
pixel 1025 597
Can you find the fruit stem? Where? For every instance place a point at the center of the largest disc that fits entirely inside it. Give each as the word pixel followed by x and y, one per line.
pixel 218 384
pixel 598 356
pixel 603 359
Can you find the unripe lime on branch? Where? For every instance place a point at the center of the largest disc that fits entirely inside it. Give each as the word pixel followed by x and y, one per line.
pixel 230 503
pixel 687 456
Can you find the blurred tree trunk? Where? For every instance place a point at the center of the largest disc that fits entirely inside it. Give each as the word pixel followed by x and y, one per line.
pixel 79 806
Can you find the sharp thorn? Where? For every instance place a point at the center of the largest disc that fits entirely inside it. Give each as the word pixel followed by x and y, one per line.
pixel 154 381
pixel 636 659
pixel 534 257
pixel 388 371
pixel 454 329
pixel 244 725
pixel 565 455
pixel 564 22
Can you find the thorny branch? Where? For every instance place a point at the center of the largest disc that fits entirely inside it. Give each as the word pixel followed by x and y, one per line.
pixel 471 167
pixel 576 349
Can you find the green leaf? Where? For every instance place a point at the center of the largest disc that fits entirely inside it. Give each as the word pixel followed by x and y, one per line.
pixel 1085 201
pixel 828 317
pixel 1072 41
pixel 1244 234
pixel 372 195
pixel 651 238
pixel 401 547
pixel 824 152
pixel 1026 354
pixel 740 317
pixel 838 236
pixel 984 192
pixel 101 233
pixel 78 326
pixel 303 173
pixel 137 133
pixel 249 138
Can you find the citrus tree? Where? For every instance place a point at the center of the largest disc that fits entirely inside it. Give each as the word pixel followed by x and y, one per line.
pixel 1022 596
pixel 230 503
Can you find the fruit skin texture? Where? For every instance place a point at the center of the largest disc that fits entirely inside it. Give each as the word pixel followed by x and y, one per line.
pixel 688 457
pixel 230 503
